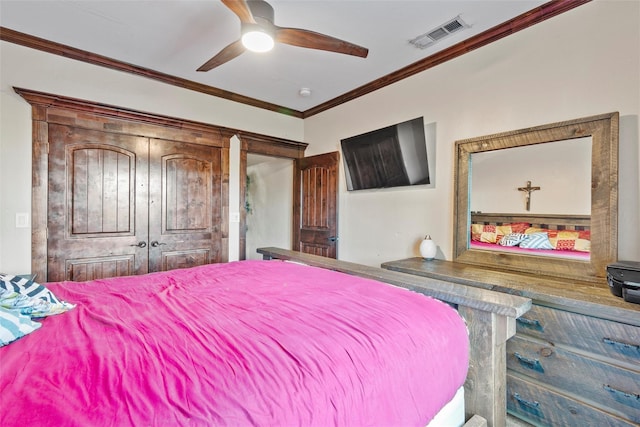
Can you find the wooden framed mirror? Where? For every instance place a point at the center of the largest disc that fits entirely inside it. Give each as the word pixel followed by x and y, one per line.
pixel 585 241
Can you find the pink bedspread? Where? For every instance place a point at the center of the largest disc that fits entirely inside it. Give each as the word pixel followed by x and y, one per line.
pixel 246 343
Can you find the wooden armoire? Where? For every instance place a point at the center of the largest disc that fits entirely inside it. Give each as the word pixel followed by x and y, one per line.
pixel 119 192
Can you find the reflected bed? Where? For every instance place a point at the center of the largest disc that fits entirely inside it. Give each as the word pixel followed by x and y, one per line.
pixel 555 236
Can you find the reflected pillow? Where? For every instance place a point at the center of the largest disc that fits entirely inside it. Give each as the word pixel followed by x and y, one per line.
pixel 536 241
pixel 512 239
pixel 484 233
pixel 514 227
pixel 494 233
pixel 14 325
pixel 570 240
pixel 566 240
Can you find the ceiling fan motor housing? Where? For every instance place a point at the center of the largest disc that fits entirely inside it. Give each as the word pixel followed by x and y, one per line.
pixel 262 11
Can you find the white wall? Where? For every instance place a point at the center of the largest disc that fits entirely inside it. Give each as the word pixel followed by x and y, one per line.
pixel 558 70
pixel 35 70
pixel 270 198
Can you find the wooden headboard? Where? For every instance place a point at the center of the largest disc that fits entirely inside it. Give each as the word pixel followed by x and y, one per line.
pixel 551 222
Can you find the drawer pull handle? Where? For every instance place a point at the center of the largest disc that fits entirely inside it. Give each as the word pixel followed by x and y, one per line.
pixel 622 346
pixel 620 393
pixel 530 323
pixel 528 406
pixel 529 363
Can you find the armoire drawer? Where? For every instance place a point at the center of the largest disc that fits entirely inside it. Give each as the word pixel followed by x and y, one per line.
pixel 615 340
pixel 535 403
pixel 615 389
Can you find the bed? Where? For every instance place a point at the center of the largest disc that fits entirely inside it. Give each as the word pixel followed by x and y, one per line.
pixel 556 236
pixel 244 343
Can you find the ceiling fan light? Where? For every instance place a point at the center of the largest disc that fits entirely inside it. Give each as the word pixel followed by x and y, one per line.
pixel 257 41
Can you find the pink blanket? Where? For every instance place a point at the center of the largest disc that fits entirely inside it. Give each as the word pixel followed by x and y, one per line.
pixel 246 343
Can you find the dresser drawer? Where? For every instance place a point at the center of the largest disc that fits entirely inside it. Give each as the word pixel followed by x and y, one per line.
pixel 615 389
pixel 537 404
pixel 615 340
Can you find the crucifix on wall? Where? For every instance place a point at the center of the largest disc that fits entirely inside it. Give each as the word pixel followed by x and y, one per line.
pixel 528 189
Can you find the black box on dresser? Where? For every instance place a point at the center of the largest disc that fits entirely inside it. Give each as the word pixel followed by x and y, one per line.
pixel 623 278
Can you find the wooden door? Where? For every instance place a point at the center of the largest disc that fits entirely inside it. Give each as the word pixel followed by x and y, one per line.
pixel 315 201
pixel 185 213
pixel 97 204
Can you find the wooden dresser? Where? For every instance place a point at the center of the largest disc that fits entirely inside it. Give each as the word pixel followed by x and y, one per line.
pixel 575 358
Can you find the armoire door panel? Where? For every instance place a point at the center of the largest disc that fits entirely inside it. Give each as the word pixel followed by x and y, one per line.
pixel 97 200
pixel 184 204
pixel 187 194
pixel 185 259
pixel 83 269
pixel 103 188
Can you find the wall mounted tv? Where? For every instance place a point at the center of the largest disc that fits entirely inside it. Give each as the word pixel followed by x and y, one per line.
pixel 394 156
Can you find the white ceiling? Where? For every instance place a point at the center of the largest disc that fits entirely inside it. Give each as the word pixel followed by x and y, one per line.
pixel 175 37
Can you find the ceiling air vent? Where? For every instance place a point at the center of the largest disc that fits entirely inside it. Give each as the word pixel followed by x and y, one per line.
pixel 425 40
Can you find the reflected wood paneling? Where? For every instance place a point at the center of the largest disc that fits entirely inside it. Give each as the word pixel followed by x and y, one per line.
pixel 552 222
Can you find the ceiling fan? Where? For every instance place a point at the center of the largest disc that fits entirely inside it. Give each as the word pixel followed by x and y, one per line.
pixel 256 17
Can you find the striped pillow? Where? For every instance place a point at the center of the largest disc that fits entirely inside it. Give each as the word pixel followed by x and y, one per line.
pixel 33 307
pixel 512 239
pixel 34 290
pixel 536 241
pixel 14 325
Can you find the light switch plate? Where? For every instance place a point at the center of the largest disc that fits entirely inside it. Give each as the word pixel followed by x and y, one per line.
pixel 234 217
pixel 22 220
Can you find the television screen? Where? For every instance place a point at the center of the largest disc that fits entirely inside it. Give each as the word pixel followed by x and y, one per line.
pixel 394 156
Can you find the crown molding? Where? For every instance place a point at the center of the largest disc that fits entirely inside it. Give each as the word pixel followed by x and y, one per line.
pixel 521 22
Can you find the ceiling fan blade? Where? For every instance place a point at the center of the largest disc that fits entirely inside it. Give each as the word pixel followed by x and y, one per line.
pixel 240 8
pixel 227 54
pixel 313 40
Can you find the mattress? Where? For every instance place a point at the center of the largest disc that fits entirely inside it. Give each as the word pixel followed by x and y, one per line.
pixel 452 414
pixel 243 343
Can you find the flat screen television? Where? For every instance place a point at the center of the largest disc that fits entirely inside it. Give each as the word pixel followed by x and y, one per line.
pixel 394 156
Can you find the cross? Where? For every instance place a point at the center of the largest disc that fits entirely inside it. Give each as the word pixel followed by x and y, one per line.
pixel 528 190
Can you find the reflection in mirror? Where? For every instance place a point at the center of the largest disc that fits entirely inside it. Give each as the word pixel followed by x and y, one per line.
pixel 552 189
pixel 545 186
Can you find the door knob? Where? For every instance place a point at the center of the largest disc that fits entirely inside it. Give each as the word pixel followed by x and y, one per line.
pixel 140 244
pixel 155 244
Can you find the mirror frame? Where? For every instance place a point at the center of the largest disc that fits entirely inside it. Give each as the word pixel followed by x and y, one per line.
pixel 604 133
